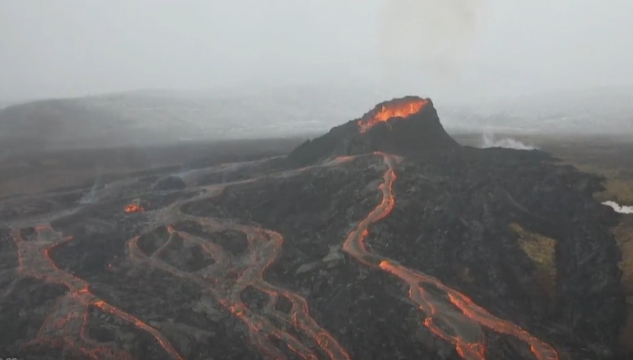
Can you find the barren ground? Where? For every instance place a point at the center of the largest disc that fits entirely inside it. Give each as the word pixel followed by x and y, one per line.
pixel 34 173
pixel 611 157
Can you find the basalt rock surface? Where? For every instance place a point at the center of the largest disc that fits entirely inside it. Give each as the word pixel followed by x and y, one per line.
pixel 264 259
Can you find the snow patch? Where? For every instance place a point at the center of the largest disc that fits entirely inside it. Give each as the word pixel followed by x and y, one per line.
pixel 619 208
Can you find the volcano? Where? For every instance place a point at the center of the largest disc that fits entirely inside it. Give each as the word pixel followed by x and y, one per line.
pixel 382 239
pixel 407 126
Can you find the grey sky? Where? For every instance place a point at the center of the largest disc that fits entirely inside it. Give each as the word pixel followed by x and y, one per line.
pixel 56 48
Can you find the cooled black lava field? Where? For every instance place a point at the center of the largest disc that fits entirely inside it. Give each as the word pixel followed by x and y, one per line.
pixel 382 239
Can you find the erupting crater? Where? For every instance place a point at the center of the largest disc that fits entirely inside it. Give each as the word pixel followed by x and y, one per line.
pixel 407 126
pixel 397 108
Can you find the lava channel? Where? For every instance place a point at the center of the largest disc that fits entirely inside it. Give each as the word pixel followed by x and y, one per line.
pixel 263 248
pixel 466 334
pixel 66 325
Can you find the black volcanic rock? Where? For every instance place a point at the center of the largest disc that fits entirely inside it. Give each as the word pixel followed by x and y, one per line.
pixel 170 183
pixel 418 134
pixel 222 272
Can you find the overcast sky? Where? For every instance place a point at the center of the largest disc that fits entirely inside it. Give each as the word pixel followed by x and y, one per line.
pixel 57 48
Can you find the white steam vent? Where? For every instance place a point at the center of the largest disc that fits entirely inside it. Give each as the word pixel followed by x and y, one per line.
pixel 488 140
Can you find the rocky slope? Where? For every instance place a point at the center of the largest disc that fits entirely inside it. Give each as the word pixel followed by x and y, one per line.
pixel 409 126
pixel 383 239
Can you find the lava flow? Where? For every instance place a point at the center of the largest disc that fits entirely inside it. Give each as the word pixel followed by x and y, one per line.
pixel 397 109
pixel 66 325
pixel 133 207
pixel 263 248
pixel 461 315
pixel 451 316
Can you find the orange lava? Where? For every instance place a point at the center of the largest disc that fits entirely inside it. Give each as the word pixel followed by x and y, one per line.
pixel 263 248
pixel 133 207
pixel 395 109
pixel 451 316
pixel 65 326
pixel 460 315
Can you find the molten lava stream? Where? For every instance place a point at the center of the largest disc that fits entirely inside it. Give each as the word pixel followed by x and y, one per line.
pixel 299 312
pixel 68 320
pixel 263 248
pixel 466 334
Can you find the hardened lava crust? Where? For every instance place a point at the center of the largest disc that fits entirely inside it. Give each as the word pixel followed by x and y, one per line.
pixel 382 239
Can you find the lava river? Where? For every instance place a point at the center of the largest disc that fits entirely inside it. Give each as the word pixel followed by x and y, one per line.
pixel 229 276
pixel 458 321
pixel 65 326
pixel 453 317
pixel 263 248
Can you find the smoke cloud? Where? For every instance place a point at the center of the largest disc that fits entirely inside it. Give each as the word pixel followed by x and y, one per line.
pixel 432 38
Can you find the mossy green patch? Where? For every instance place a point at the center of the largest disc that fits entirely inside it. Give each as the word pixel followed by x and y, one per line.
pixel 542 251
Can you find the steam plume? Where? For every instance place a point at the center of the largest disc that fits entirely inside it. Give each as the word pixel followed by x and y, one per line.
pixel 488 141
pixel 91 197
pixel 432 37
